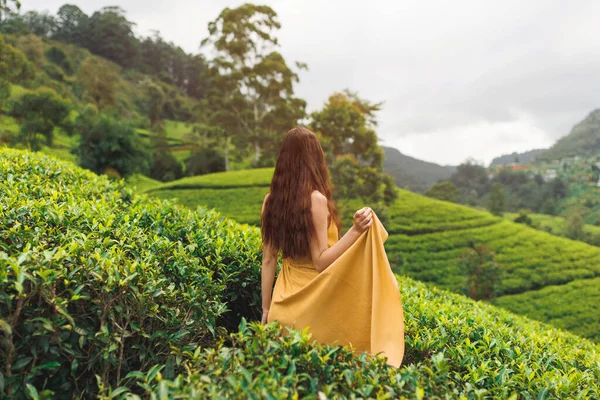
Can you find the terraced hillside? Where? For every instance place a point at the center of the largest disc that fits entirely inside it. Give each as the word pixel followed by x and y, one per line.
pixel 427 236
pixel 557 226
pixel 104 292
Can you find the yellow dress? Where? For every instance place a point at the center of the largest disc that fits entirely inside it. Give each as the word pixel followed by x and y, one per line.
pixel 355 301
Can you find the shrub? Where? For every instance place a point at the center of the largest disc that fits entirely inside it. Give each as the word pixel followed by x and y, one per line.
pixel 109 143
pixel 60 58
pixel 106 283
pixel 39 113
pixel 204 161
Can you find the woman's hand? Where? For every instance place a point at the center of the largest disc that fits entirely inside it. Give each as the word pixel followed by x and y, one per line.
pixel 265 317
pixel 363 219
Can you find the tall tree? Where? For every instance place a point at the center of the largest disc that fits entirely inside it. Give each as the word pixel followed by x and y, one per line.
pixel 445 191
pixel 7 6
pixel 482 270
pixel 496 199
pixel 244 41
pixel 346 126
pixel 14 68
pixel 40 23
pixel 110 35
pixel 100 81
pixel 72 25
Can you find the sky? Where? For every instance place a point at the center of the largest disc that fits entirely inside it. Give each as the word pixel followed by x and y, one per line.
pixel 459 79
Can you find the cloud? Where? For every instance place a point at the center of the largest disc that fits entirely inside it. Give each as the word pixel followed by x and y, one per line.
pixel 483 77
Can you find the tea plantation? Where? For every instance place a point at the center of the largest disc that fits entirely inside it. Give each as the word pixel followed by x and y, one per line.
pixel 427 237
pixel 102 291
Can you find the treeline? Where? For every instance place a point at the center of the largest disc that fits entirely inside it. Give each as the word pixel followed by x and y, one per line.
pixel 109 34
pixel 508 190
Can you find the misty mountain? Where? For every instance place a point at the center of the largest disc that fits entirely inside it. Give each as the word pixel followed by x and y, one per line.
pixel 411 173
pixel 521 158
pixel 583 140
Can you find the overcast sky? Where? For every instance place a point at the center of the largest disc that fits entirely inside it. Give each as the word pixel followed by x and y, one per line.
pixel 459 78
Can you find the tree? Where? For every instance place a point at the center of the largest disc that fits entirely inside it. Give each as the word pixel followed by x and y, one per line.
pixel 156 101
pixel 33 48
pixel 14 68
pixel 445 191
pixel 41 24
pixel 496 199
pixel 108 144
pixel 38 113
pixel 346 126
pixel 8 6
pixel 72 25
pixel 100 82
pixel 524 218
pixel 204 161
pixel 110 35
pixel 574 226
pixel 256 83
pixel 472 181
pixel 165 167
pixel 482 270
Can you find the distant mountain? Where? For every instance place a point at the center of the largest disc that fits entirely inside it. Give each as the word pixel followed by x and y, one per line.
pixel 583 140
pixel 522 158
pixel 411 173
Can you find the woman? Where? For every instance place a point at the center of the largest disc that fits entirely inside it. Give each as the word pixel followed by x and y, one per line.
pixel 342 289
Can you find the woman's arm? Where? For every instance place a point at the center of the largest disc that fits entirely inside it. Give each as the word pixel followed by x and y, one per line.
pixel 268 268
pixel 322 256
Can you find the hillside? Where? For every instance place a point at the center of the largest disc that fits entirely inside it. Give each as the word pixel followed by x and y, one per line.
pixel 411 173
pixel 520 158
pixel 583 140
pixel 136 292
pixel 557 226
pixel 427 237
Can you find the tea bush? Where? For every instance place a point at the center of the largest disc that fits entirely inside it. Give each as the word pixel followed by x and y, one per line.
pixel 105 293
pixel 574 306
pixel 96 282
pixel 455 348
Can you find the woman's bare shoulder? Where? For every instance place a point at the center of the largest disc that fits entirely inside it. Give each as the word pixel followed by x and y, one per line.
pixel 318 197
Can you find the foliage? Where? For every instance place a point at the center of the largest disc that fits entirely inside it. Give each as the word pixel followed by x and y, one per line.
pixel 39 113
pixel 14 68
pixel 204 161
pixel 524 218
pixel 33 48
pixel 574 227
pixel 60 58
pixel 6 5
pixel 482 271
pixel 109 143
pixel 471 178
pixel 107 283
pixel 253 80
pixel 100 81
pixel 187 269
pixel 576 311
pixel 345 129
pixel 445 191
pixel 496 199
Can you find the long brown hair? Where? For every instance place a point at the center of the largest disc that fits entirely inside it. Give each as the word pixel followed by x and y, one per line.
pixel 286 223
